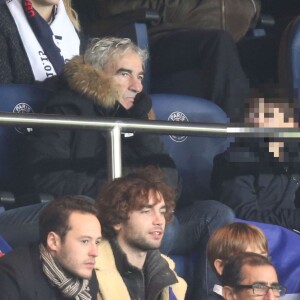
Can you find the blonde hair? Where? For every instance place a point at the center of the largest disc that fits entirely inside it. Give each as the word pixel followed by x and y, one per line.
pixel 234 238
pixel 72 14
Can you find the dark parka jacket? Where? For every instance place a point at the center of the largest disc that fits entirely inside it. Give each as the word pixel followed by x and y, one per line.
pixel 22 277
pixel 74 162
pixel 257 186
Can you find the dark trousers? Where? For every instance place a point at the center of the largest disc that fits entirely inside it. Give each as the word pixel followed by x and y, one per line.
pixel 189 232
pixel 202 63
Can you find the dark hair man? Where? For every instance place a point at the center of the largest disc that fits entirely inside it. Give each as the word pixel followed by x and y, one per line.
pixel 61 266
pixel 249 275
pixel 134 211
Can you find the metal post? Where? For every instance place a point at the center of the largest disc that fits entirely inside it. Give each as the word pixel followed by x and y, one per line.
pixel 114 153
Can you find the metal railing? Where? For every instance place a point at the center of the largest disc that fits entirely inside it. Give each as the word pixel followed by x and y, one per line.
pixel 115 127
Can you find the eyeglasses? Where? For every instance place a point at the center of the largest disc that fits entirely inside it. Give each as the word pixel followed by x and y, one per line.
pixel 260 289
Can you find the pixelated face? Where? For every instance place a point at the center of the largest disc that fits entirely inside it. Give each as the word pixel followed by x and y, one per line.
pixel 77 252
pixel 268 115
pixel 127 71
pixel 265 275
pixel 145 227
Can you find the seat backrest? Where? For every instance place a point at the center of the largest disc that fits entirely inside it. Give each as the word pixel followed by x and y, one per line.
pixel 193 155
pixel 4 247
pixel 17 98
pixel 289 59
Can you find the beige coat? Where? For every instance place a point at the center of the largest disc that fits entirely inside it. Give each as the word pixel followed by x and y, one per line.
pixel 111 284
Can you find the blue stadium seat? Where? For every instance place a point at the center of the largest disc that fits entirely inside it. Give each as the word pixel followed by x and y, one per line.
pixel 193 155
pixel 289 59
pixel 4 247
pixel 17 98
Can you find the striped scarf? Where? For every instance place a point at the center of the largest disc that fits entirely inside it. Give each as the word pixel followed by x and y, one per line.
pixel 70 287
pixel 48 46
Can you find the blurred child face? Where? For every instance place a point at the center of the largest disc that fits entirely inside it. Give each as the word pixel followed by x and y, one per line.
pixel 268 115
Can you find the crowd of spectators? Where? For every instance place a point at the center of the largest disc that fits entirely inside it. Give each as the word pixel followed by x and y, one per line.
pixel 42 42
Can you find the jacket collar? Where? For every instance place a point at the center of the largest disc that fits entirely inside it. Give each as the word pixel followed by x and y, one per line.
pixel 158 266
pixel 122 263
pixel 156 270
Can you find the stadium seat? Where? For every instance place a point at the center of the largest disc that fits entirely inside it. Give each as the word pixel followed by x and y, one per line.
pixel 4 247
pixel 193 155
pixel 289 59
pixel 16 98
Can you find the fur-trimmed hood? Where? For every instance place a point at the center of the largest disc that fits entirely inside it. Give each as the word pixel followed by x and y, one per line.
pixel 87 80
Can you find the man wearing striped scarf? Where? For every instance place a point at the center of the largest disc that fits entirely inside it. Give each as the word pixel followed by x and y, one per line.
pixel 62 265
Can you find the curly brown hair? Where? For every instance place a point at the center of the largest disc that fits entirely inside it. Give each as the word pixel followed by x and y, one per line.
pixel 131 192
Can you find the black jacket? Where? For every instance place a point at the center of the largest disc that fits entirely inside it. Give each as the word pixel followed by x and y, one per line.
pixel 256 185
pixel 22 277
pixel 149 282
pixel 14 64
pixel 74 162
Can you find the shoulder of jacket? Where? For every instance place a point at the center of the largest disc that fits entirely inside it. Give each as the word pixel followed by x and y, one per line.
pixel 179 288
pixel 111 284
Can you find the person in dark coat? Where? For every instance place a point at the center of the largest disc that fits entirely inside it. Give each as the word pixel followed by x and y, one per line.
pixel 26 55
pixel 98 84
pixel 61 266
pixel 259 177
